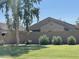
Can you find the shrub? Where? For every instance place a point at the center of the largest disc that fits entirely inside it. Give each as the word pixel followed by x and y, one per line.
pixel 44 40
pixel 71 40
pixel 28 42
pixel 57 40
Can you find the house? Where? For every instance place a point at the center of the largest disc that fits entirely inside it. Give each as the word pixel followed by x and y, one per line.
pixel 51 25
pixel 47 25
pixel 4 28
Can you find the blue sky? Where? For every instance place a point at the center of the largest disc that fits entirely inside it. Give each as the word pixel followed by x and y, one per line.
pixel 65 10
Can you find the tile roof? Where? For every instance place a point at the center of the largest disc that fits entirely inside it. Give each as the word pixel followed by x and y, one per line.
pixel 49 19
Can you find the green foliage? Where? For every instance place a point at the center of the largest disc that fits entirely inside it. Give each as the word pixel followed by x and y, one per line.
pixel 40 52
pixel 15 51
pixel 28 42
pixel 71 40
pixel 22 10
pixel 44 40
pixel 57 40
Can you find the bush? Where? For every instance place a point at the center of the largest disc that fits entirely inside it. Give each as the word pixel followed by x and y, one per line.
pixel 71 40
pixel 28 42
pixel 57 40
pixel 44 40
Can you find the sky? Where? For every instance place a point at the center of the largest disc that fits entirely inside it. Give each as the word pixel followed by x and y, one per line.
pixel 65 10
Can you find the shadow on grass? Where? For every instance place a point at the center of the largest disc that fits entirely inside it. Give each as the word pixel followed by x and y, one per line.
pixel 18 50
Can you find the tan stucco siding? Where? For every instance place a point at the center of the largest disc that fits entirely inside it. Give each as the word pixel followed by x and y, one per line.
pixel 52 27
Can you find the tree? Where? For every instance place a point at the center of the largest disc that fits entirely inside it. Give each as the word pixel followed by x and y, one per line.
pixel 30 11
pixel 14 6
pixel 22 10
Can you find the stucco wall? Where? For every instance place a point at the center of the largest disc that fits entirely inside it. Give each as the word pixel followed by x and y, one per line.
pixel 24 36
pixel 52 27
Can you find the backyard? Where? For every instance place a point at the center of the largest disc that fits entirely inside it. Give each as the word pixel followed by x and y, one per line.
pixel 40 52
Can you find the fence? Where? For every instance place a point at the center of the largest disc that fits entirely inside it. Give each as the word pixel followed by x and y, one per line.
pixel 10 37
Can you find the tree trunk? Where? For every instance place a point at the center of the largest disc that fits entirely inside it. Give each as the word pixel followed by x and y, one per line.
pixel 17 35
pixel 27 27
pixel 17 29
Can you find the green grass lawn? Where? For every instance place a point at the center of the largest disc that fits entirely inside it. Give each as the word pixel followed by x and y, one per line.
pixel 40 52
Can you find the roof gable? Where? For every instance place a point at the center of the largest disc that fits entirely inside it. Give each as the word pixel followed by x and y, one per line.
pixel 49 19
